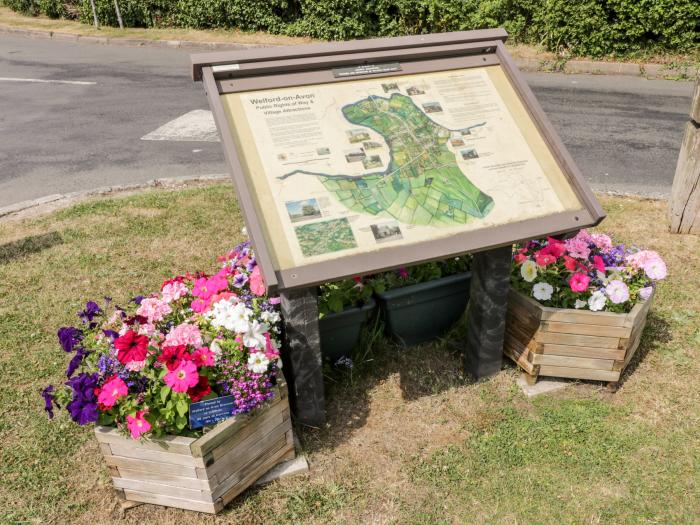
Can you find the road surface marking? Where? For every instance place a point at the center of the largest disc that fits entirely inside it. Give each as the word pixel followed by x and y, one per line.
pixel 42 81
pixel 197 125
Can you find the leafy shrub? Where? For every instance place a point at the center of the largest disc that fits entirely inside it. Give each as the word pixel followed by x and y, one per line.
pixel 583 27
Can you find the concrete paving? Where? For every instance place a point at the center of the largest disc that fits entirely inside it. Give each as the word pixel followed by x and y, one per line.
pixel 85 132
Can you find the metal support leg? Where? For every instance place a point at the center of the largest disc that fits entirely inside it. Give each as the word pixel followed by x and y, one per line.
pixel 488 302
pixel 301 355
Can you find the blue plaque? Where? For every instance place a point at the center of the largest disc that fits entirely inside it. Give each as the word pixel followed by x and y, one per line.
pixel 211 411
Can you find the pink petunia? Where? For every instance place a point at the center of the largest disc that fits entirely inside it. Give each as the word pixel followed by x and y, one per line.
pixel 200 305
pixel 113 389
pixel 137 424
pixel 153 309
pixel 174 291
pixel 203 357
pixel 183 377
pixel 579 282
pixel 184 334
pixel 617 291
pixel 257 285
pixel 602 241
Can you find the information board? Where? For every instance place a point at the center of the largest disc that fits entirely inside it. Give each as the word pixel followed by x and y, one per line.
pixel 351 169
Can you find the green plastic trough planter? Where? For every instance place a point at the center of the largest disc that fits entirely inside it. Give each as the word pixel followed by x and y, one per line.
pixel 421 312
pixel 340 331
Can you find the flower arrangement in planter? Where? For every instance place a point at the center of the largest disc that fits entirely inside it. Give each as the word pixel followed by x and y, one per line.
pixel 136 371
pixel 344 307
pixel 577 307
pixel 422 302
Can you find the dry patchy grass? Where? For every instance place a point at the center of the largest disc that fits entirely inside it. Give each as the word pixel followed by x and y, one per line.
pixel 409 439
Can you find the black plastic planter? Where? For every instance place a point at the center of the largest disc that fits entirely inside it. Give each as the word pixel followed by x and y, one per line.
pixel 421 312
pixel 340 332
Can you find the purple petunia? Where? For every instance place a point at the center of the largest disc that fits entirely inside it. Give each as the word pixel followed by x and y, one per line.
pixel 83 406
pixel 69 336
pixel 48 400
pixel 76 361
pixel 91 310
pixel 239 280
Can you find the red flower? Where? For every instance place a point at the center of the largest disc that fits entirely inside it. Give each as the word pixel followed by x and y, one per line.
pixel 357 279
pixel 520 258
pixel 555 247
pixel 570 263
pixel 200 390
pixel 172 356
pixel 131 347
pixel 598 263
pixel 543 259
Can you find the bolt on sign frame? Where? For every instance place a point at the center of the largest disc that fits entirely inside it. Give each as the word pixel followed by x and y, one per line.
pixel 235 81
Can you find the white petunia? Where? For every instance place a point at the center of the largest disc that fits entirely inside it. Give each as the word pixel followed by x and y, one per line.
pixel 542 291
pixel 528 270
pixel 258 363
pixel 580 304
pixel 226 314
pixel 254 337
pixel 270 317
pixel 596 301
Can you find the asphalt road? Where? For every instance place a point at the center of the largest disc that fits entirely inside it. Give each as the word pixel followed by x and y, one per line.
pixel 624 132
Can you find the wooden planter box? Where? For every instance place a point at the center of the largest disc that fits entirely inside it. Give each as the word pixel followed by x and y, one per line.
pixel 562 342
pixel 201 474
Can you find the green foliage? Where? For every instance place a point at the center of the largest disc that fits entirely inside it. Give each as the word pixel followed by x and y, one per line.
pixel 585 27
pixel 420 273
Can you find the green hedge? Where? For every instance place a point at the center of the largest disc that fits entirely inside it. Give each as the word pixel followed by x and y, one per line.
pixel 582 27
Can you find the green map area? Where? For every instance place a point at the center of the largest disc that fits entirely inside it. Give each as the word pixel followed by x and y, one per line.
pixel 422 184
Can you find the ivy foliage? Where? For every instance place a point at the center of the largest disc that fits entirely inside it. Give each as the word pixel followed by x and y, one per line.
pixel 584 27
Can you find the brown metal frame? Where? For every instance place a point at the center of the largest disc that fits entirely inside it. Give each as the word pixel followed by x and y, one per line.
pixel 266 68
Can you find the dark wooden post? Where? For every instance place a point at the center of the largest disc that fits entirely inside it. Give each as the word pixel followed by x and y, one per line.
pixel 486 312
pixel 301 355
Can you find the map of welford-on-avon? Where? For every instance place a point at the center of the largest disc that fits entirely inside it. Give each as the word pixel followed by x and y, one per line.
pixel 357 166
pixel 423 184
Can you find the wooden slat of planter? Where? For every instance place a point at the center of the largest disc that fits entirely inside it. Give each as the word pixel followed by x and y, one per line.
pixel 225 429
pixel 577 340
pixel 164 479
pixel 171 444
pixel 565 315
pixel 583 351
pixel 169 490
pixel 256 469
pixel 586 329
pixel 274 416
pixel 526 315
pixel 579 373
pixel 518 353
pixel 254 445
pixel 574 362
pixel 168 501
pixel 134 451
pixel 521 333
pixel 527 304
pixel 568 315
pixel 151 466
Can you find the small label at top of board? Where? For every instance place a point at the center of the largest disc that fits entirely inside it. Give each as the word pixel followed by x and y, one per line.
pixel 366 69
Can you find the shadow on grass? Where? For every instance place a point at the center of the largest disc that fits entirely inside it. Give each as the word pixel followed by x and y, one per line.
pixel 656 333
pixel 28 246
pixel 423 370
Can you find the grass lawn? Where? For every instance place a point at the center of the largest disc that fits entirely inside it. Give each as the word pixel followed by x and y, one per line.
pixel 409 440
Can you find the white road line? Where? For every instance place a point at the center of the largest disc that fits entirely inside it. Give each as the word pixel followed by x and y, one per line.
pixel 197 125
pixel 41 81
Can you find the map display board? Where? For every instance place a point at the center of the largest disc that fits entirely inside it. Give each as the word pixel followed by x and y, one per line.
pixel 354 167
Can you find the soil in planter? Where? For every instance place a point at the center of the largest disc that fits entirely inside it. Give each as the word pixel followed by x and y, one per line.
pixel 340 332
pixel 425 311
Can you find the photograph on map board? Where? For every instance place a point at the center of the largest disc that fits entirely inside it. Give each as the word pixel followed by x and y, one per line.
pixel 448 156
